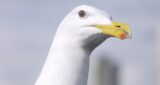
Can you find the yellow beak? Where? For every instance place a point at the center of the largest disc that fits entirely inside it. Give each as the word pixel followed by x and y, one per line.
pixel 116 29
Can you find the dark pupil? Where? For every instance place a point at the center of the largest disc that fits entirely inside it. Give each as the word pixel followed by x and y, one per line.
pixel 82 13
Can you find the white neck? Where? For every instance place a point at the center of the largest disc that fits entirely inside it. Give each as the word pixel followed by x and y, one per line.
pixel 66 65
pixel 68 60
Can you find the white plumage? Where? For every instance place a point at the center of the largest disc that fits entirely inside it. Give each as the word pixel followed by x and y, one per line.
pixel 68 59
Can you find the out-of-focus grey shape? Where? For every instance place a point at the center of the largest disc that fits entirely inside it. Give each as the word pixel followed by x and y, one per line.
pixel 102 71
pixel 157 59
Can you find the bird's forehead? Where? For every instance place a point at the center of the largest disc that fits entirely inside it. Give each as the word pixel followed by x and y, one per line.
pixel 86 8
pixel 91 10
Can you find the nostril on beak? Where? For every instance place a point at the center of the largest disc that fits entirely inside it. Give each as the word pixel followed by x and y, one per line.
pixel 118 26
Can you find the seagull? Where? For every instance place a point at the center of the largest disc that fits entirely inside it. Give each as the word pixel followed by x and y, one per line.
pixel 79 33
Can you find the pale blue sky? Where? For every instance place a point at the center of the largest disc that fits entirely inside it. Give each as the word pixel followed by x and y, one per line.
pixel 27 28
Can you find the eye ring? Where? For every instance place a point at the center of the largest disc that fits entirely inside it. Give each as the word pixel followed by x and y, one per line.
pixel 82 13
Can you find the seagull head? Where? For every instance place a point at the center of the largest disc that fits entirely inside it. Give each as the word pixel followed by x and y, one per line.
pixel 91 26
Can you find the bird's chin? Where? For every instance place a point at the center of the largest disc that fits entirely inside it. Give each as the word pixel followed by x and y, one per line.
pixel 91 37
pixel 93 41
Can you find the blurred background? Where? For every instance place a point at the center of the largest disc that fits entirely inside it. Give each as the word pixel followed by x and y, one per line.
pixel 27 28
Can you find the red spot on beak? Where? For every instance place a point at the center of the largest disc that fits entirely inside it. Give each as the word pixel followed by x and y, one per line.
pixel 123 36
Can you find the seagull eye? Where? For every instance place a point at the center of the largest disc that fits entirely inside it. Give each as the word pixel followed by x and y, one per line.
pixel 82 13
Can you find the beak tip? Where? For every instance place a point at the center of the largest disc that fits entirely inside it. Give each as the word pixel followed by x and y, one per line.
pixel 125 36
